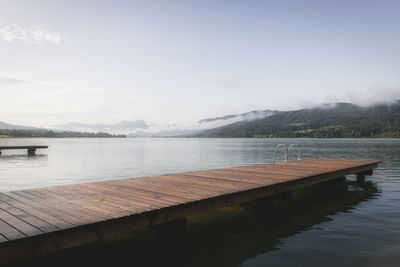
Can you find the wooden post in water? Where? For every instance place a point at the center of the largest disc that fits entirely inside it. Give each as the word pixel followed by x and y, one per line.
pixel 361 177
pixel 31 151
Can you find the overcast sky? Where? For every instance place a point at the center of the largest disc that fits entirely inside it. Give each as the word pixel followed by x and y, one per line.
pixel 180 61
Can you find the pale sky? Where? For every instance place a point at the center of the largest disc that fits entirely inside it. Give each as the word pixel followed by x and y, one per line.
pixel 181 61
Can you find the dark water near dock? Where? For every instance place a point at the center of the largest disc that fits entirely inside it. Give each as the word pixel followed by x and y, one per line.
pixel 345 224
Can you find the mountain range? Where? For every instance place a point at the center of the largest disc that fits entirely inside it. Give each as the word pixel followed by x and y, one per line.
pixel 4 125
pixel 324 121
pixel 122 127
pixel 140 128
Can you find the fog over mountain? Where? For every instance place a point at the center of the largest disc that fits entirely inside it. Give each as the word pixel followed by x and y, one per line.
pixel 139 128
pixel 255 114
pixel 324 120
pixel 339 120
pixel 122 127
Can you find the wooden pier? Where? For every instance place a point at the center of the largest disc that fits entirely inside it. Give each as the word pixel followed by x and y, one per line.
pixel 31 149
pixel 38 221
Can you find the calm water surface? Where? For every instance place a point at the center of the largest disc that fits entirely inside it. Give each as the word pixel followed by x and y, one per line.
pixel 346 224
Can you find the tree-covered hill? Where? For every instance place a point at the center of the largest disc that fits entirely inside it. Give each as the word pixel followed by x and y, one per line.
pixel 341 120
pixel 49 133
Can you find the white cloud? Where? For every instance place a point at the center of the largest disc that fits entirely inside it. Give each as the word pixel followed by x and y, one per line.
pixel 375 95
pixel 14 33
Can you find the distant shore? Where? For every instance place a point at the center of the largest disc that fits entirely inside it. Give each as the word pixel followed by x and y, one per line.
pixel 13 133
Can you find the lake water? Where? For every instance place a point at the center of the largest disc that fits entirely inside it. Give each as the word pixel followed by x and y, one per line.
pixel 345 224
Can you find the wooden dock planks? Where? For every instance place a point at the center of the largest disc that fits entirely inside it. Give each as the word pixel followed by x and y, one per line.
pixel 36 221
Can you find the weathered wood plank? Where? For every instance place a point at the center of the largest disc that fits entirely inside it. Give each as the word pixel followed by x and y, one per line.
pixel 60 224
pixel 206 182
pixel 123 193
pixel 152 191
pixel 61 207
pixel 45 208
pixel 50 196
pixel 88 200
pixel 34 221
pixel 2 239
pixel 179 187
pixel 10 232
pixel 19 224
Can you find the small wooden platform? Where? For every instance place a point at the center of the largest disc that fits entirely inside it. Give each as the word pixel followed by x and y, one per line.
pixel 31 149
pixel 38 221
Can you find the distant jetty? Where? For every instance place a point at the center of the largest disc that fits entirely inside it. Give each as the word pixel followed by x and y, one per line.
pixel 31 149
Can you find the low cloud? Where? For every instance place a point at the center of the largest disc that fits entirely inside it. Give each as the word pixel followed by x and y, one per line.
pixel 375 95
pixel 12 33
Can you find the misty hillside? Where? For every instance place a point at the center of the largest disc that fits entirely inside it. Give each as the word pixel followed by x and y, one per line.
pixel 4 125
pixel 255 114
pixel 13 131
pixel 341 120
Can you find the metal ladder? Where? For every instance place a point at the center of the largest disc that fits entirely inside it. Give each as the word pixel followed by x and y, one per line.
pixel 288 149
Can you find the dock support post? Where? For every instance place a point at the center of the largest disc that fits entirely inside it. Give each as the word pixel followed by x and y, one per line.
pixel 31 151
pixel 361 177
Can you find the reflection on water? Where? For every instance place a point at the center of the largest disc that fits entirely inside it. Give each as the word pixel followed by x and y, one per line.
pixel 337 225
pixel 24 164
pixel 18 158
pixel 227 237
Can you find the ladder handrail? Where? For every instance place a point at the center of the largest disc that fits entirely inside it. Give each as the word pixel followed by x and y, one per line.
pixel 287 151
pixel 276 149
pixel 293 145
